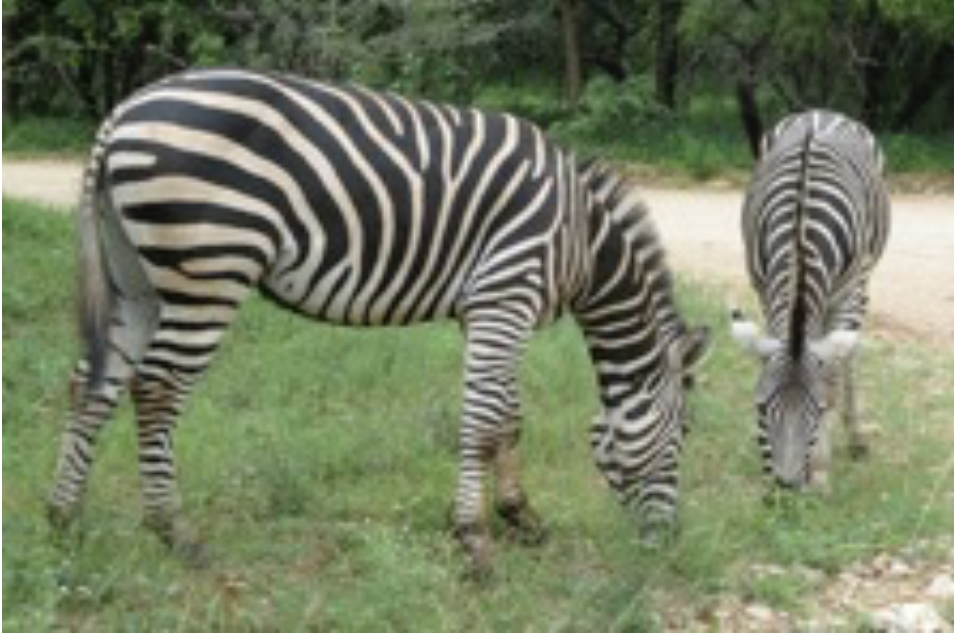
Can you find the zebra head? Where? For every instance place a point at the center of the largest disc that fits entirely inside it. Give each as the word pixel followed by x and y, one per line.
pixel 637 440
pixel 792 397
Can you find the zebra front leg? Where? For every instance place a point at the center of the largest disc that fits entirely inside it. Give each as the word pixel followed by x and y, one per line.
pixel 512 504
pixel 495 342
pixel 470 517
pixel 89 411
pixel 857 442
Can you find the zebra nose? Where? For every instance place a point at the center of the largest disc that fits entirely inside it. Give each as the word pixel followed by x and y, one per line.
pixel 789 483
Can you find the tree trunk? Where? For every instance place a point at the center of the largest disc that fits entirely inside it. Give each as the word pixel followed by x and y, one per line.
pixel 875 75
pixel 667 51
pixel 610 54
pixel 749 111
pixel 572 64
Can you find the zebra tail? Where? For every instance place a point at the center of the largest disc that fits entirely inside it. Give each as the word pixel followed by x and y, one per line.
pixel 97 297
pixel 797 320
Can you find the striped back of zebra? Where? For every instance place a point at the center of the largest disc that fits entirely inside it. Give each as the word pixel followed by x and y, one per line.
pixel 364 209
pixel 815 223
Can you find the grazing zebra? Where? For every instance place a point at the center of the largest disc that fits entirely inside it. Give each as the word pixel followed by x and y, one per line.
pixel 365 209
pixel 815 223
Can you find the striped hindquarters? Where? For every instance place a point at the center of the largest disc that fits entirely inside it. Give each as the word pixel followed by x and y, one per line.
pixel 815 221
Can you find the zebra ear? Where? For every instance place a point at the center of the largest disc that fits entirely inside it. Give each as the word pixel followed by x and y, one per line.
pixel 837 345
pixel 747 334
pixel 692 349
pixel 696 346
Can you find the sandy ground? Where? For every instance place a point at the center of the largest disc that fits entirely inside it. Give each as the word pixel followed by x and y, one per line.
pixel 912 290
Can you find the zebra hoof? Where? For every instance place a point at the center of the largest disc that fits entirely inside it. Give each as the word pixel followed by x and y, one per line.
pixel 524 525
pixel 659 532
pixel 62 518
pixel 859 451
pixel 194 554
pixel 64 525
pixel 184 543
pixel 478 550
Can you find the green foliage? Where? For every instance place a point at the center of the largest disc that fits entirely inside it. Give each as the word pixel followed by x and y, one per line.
pixel 911 153
pixel 320 464
pixel 536 101
pixel 934 17
pixel 884 61
pixel 703 141
pixel 609 108
pixel 96 52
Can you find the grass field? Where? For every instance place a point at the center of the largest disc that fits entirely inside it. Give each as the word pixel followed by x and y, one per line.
pixel 320 463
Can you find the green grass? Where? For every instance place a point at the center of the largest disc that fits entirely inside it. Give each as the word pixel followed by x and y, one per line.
pixel 320 464
pixel 47 136
pixel 912 153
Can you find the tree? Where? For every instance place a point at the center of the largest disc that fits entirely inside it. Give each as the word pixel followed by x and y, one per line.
pixel 572 58
pixel 668 13
pixel 731 38
pixel 98 51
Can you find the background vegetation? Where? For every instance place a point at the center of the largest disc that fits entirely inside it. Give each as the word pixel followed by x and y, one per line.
pixel 320 463
pixel 685 84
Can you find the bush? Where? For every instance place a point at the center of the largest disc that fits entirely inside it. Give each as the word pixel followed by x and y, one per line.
pixel 610 109
pixel 535 102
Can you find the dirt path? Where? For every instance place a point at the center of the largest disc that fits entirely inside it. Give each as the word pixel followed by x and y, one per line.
pixel 912 291
pixel 51 182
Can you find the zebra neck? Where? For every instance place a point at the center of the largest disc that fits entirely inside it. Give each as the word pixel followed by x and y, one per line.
pixel 626 317
pixel 625 276
pixel 624 256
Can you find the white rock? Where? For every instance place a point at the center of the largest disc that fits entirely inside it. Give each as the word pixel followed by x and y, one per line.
pixel 900 568
pixel 909 617
pixel 941 587
pixel 759 612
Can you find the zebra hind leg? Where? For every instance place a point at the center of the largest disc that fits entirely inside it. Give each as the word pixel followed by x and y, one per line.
pixel 90 410
pixel 158 403
pixel 171 368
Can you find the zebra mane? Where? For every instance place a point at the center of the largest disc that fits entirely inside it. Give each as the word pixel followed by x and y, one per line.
pixel 617 197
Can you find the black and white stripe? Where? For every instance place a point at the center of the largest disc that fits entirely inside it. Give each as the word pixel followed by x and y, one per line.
pixel 815 223
pixel 366 209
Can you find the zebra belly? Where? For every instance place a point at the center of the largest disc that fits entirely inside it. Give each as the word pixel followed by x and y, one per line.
pixel 337 298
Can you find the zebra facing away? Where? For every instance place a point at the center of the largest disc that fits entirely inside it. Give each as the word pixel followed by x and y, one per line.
pixel 366 209
pixel 814 224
